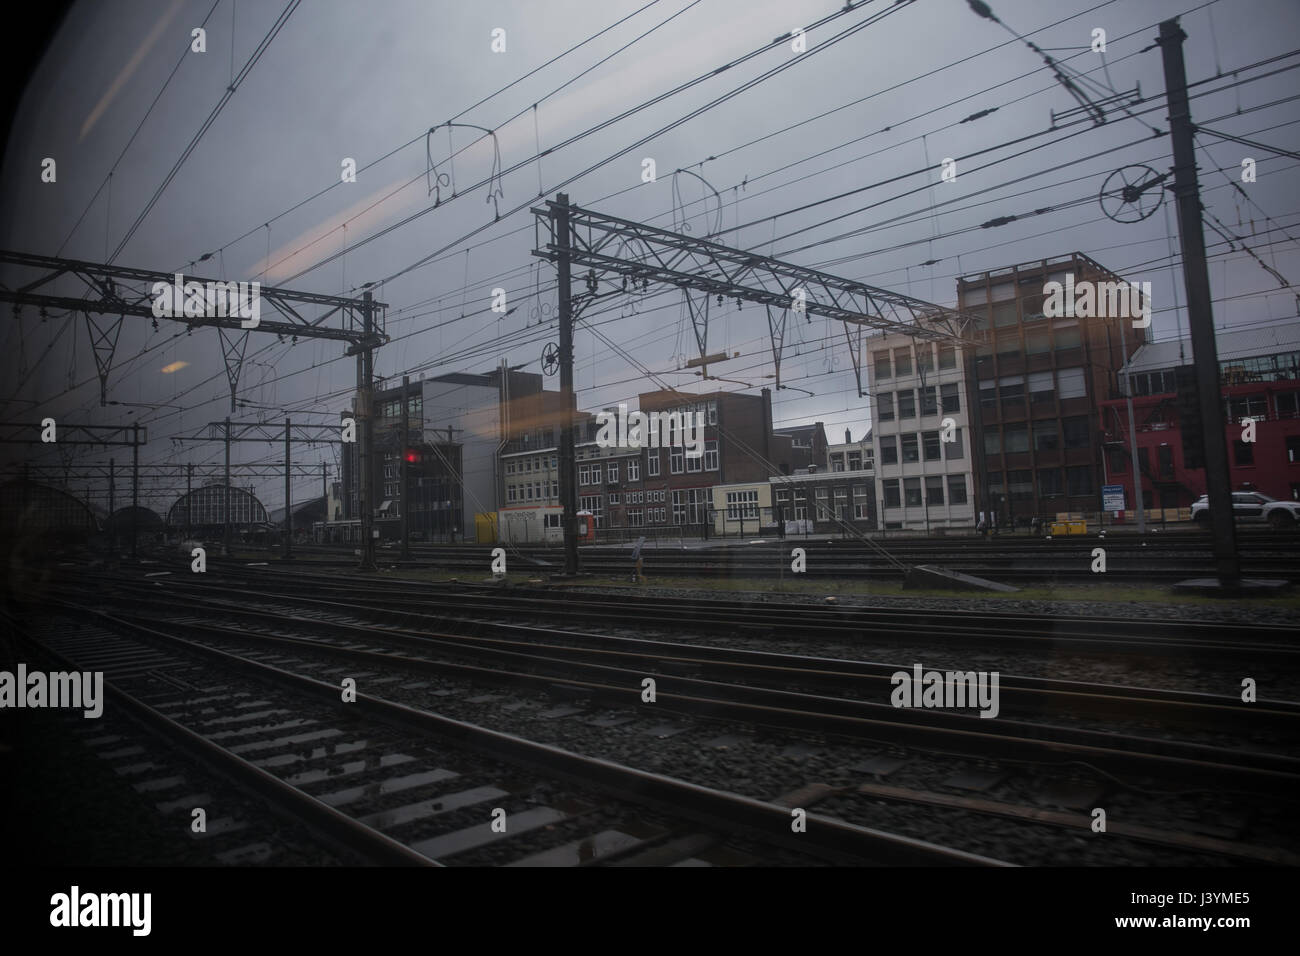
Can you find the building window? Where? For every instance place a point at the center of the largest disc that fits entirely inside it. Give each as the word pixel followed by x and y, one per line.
pixel 742 504
pixel 677 456
pixel 1049 483
pixel 528 490
pixel 1015 439
pixel 1021 484
pixel 1247 406
pixel 925 357
pixel 634 469
pixel 1071 383
pixel 1004 314
pixel 1067 336
pixel 510 493
pixel 933 491
pixel 861 503
pixel 635 518
pixel 823 496
pixel 988 394
pixel 1075 432
pixel 912 492
pixel 711 455
pixel 510 468
pixel 596 505
pixel 1047 435
pixel 993 442
pixel 1165 461
pixel 1012 389
pixel 1293 448
pixel 947 356
pixel 950 398
pixel 1037 342
pixel 906 404
pixel 1079 480
pixel 1288 405
pixel 885 406
pixel 953 449
pixel 930 445
pixel 613 497
pixel 889 449
pixel 653 461
pixel 713 413
pixel 595 474
pixel 890 488
pixel 555 489
pixel 957 489
pixel 613 472
pixel 995 484
pixel 855 461
pixel 910 451
pixel 679 507
pixel 694 464
pixel 837 461
pixel 1117 457
pixel 1041 388
pixel 903 362
pixel 882 364
pixel 584 474
pixel 1243 452
pixel 930 400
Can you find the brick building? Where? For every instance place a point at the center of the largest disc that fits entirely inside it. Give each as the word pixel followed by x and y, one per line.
pixel 1033 387
pixel 1260 381
pixel 664 487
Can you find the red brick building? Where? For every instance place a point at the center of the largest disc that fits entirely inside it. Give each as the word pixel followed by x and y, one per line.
pixel 1260 380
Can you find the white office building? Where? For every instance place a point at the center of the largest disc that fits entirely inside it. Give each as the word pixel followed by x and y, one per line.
pixel 923 461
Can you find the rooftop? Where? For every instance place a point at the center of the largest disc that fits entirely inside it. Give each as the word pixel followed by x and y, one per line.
pixel 1246 343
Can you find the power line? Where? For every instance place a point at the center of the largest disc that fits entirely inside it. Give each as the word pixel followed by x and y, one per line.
pixel 207 124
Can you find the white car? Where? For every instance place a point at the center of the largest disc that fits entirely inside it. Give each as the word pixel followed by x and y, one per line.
pixel 1252 506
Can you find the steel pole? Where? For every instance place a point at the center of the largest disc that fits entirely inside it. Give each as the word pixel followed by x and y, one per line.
pixel 402 499
pixel 287 551
pixel 1132 430
pixel 225 540
pixel 568 490
pixel 365 422
pixel 1200 314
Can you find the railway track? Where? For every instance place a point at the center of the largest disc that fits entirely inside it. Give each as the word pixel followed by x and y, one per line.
pixel 1156 559
pixel 352 771
pixel 1035 562
pixel 845 698
pixel 396 601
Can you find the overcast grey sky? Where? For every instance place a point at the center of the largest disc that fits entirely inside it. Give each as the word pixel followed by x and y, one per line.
pixel 348 79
